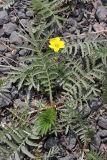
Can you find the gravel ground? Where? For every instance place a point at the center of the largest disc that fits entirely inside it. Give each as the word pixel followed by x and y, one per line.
pixel 12 23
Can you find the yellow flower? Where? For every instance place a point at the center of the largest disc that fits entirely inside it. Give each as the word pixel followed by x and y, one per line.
pixel 56 44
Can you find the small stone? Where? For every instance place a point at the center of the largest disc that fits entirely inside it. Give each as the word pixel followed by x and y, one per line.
pixel 21 14
pixel 69 141
pixel 95 104
pixel 102 122
pixel 9 28
pixel 3 17
pixel 14 92
pixel 22 52
pixel 5 100
pixel 104 140
pixel 96 142
pixel 101 14
pixel 24 22
pixel 102 133
pixel 15 38
pixel 9 55
pixel 51 142
pixel 14 19
pixel 85 112
pixel 29 13
pixel 1 32
pixel 3 48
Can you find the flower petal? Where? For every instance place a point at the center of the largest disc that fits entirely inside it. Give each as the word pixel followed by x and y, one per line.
pixel 62 44
pixel 57 39
pixel 56 49
pixel 51 46
pixel 52 41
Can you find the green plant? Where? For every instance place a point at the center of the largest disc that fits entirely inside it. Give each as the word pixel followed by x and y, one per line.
pixel 49 11
pixel 79 82
pixel 4 91
pixel 45 121
pixel 101 54
pixel 73 73
pixel 93 155
pixel 17 138
pixel 104 87
pixel 71 119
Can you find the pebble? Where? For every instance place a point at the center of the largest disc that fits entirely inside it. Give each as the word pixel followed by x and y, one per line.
pixel 14 19
pixel 85 112
pixel 9 28
pixel 3 17
pixel 51 142
pixel 96 142
pixel 102 133
pixel 14 93
pixel 104 140
pixel 5 100
pixel 24 22
pixel 22 52
pixel 3 48
pixel 21 14
pixel 102 122
pixel 101 14
pixel 29 13
pixel 95 104
pixel 69 141
pixel 15 38
pixel 1 32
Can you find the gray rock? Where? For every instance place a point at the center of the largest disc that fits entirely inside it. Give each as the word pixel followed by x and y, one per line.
pixel 51 142
pixel 22 52
pixel 1 32
pixel 69 141
pixel 5 100
pixel 102 122
pixel 101 13
pixel 102 133
pixel 14 19
pixel 95 104
pixel 30 13
pixel 14 93
pixel 85 112
pixel 21 14
pixel 9 55
pixel 3 70
pixel 9 28
pixel 96 142
pixel 24 22
pixel 3 17
pixel 104 140
pixel 15 38
pixel 3 48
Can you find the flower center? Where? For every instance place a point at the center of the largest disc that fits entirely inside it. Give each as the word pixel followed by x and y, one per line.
pixel 57 45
